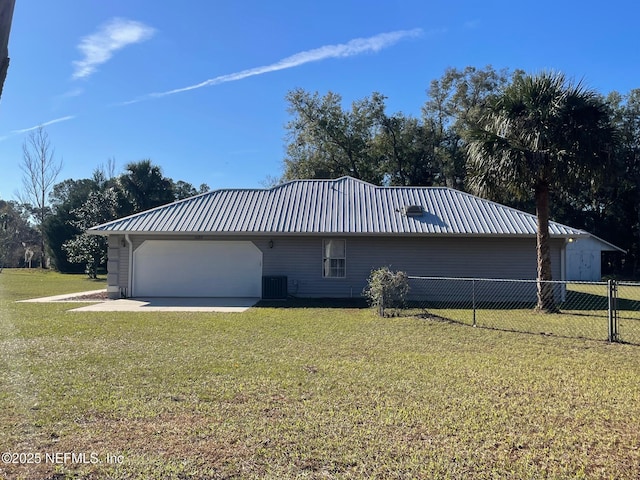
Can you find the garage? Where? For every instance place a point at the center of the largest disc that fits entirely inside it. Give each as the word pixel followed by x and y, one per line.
pixel 192 268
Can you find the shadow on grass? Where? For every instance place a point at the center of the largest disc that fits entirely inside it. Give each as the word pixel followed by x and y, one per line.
pixel 574 301
pixel 98 281
pixel 577 304
pixel 628 334
pixel 581 301
pixel 438 318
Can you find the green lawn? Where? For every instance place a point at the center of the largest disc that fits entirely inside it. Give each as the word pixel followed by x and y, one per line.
pixel 583 313
pixel 304 393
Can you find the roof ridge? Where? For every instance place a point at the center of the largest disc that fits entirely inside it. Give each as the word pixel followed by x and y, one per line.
pixel 333 180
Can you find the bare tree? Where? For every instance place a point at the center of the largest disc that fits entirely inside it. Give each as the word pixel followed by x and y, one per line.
pixel 40 170
pixel 111 168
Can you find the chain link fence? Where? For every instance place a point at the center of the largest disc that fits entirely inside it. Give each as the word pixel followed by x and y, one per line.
pixel 628 311
pixel 593 310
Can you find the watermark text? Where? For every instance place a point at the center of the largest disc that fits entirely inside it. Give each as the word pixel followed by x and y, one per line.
pixel 59 458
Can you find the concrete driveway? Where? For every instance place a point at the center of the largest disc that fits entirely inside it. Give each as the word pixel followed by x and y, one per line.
pixel 217 304
pixel 236 305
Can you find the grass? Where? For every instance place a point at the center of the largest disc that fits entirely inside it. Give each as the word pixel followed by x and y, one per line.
pixel 583 313
pixel 305 393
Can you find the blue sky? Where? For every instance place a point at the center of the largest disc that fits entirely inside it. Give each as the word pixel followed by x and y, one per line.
pixel 199 86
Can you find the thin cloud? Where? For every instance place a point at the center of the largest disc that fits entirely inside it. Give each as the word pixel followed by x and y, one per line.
pixel 75 92
pixel 45 124
pixel 354 47
pixel 471 24
pixel 100 46
pixel 58 100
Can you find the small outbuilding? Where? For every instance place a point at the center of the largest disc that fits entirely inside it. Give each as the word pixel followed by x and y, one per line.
pixel 322 238
pixel 584 257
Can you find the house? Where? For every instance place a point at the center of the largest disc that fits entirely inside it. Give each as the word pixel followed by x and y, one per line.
pixel 6 18
pixel 320 238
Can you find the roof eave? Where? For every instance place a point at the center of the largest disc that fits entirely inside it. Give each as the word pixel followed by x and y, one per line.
pixel 334 233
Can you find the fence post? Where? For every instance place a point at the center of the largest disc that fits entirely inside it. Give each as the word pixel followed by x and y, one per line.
pixel 473 299
pixel 612 295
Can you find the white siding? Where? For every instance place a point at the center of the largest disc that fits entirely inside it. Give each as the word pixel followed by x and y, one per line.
pixel 584 259
pixel 113 266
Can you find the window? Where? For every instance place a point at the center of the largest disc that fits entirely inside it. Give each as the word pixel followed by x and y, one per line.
pixel 334 258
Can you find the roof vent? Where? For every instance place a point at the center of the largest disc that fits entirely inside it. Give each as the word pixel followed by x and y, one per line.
pixel 413 211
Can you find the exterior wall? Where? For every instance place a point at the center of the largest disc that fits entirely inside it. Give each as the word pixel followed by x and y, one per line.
pixel 584 260
pixel 300 259
pixel 117 267
pixel 113 263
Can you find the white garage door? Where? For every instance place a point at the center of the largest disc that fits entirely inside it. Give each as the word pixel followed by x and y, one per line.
pixel 183 268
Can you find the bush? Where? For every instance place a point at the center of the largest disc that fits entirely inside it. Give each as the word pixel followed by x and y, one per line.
pixel 387 290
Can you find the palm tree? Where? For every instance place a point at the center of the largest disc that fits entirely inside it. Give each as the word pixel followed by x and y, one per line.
pixel 144 185
pixel 542 133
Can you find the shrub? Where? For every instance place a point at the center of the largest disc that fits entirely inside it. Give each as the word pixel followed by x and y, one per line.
pixel 387 289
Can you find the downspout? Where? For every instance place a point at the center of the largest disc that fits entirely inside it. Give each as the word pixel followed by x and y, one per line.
pixel 130 261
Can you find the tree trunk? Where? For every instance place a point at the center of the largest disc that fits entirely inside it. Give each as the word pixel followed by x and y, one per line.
pixel 546 303
pixel 43 263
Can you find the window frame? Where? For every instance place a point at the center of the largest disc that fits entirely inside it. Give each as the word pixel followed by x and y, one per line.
pixel 329 258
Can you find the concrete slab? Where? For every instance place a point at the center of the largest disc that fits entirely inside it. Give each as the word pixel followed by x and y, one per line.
pixel 234 305
pixel 165 304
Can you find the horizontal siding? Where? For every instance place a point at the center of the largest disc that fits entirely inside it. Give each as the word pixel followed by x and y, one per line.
pixel 117 265
pixel 123 265
pixel 113 266
pixel 457 293
pixel 300 259
pixel 486 258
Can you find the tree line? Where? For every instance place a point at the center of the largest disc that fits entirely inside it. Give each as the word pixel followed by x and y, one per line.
pixel 80 204
pixel 541 143
pixel 507 136
pixel 46 226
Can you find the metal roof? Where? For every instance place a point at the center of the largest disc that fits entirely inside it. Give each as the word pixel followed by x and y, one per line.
pixel 6 17
pixel 341 206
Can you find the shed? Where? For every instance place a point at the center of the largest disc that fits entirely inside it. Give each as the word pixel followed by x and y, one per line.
pixel 584 257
